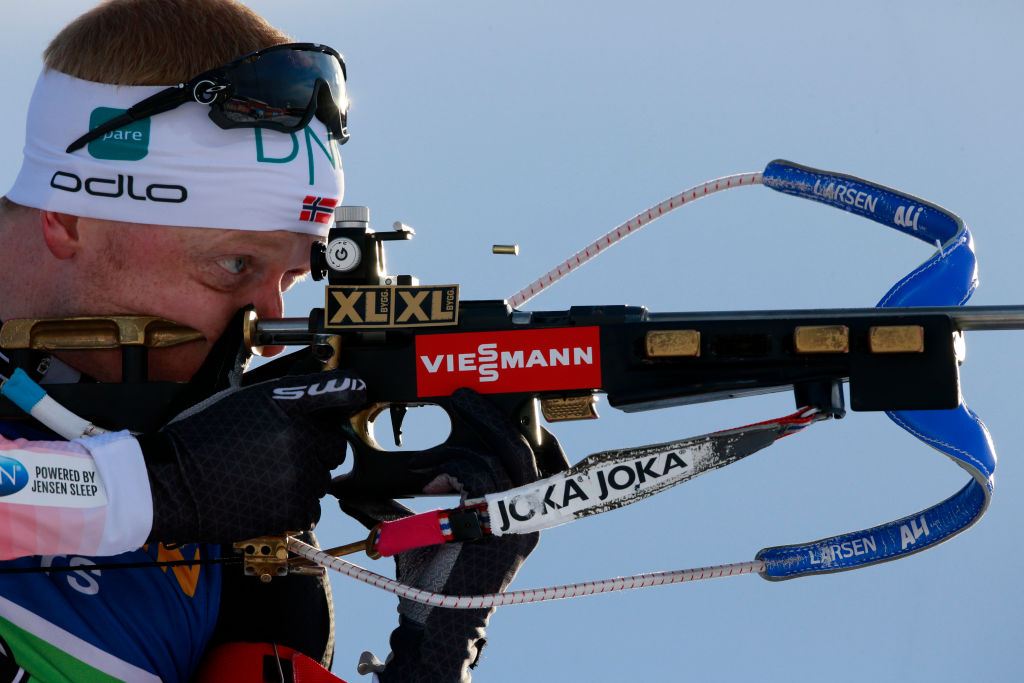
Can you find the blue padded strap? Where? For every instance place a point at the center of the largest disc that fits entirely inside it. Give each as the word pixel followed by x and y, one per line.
pixel 948 278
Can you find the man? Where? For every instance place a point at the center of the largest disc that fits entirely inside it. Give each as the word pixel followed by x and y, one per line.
pixel 137 197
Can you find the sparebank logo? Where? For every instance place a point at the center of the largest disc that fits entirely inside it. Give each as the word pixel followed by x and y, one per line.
pixel 127 143
pixel 13 476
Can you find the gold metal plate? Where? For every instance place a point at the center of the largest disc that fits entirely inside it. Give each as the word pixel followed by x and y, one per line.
pixel 264 557
pixel 672 343
pixel 94 332
pixel 896 339
pixel 367 307
pixel 822 339
pixel 569 408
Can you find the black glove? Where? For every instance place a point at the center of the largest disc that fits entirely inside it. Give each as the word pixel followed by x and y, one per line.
pixel 435 644
pixel 250 461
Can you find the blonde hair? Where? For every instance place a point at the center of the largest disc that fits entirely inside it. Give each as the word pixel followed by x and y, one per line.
pixel 157 42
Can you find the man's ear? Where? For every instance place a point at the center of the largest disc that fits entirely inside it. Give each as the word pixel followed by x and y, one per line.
pixel 60 232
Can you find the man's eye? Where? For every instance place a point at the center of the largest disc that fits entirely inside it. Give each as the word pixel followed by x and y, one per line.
pixel 233 264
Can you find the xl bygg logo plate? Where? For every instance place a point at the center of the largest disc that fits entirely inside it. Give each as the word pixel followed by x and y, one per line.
pixel 362 307
pixel 520 360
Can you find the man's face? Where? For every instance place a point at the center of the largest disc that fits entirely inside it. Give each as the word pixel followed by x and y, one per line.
pixel 198 277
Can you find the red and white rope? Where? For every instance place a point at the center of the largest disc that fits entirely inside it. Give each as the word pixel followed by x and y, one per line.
pixel 520 597
pixel 629 227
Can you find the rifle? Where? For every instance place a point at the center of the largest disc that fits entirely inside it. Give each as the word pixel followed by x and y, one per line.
pixel 415 344
pixel 555 363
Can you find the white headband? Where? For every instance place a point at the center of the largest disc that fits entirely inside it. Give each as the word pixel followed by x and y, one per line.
pixel 176 168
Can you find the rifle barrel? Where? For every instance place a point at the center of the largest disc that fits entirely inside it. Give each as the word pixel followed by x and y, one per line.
pixel 966 318
pixel 990 318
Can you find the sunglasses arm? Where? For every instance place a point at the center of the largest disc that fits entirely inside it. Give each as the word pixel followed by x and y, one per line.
pixel 158 103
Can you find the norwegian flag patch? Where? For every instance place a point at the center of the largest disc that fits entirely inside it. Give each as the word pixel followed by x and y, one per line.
pixel 318 209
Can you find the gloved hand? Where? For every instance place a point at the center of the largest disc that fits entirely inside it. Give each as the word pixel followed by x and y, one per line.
pixel 435 644
pixel 250 461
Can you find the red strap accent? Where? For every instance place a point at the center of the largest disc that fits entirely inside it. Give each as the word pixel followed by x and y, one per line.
pixel 415 531
pixel 796 421
pixel 309 671
pixel 244 663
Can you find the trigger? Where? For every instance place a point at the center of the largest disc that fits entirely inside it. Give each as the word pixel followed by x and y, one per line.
pixel 397 415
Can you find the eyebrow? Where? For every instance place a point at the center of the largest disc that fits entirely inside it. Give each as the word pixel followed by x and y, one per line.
pixel 252 239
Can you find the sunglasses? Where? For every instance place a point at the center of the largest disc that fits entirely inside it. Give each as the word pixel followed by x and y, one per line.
pixel 280 88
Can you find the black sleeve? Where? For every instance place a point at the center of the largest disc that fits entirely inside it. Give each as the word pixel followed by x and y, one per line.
pixel 293 610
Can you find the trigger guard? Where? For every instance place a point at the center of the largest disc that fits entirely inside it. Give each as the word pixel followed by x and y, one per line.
pixel 361 424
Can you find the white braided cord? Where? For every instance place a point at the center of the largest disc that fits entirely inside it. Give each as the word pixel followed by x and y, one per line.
pixel 620 232
pixel 520 597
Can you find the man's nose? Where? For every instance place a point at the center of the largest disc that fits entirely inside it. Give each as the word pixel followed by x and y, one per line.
pixel 269 301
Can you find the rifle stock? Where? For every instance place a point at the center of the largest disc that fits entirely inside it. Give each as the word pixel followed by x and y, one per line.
pixel 893 359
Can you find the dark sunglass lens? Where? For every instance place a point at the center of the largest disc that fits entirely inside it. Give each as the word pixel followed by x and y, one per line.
pixel 279 86
pixel 249 110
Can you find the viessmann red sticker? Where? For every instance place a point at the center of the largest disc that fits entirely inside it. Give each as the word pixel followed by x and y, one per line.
pixel 517 360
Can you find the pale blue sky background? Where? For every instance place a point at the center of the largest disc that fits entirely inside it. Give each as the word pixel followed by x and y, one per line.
pixel 545 124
